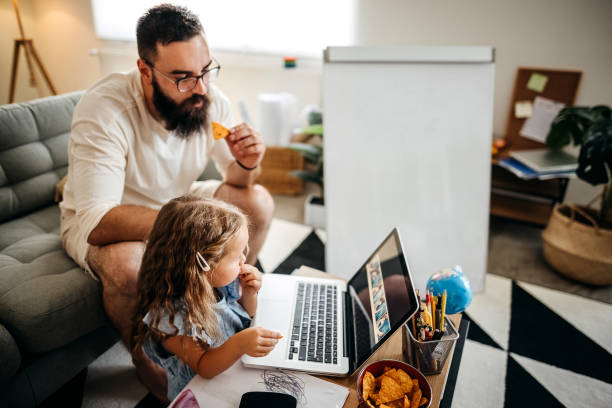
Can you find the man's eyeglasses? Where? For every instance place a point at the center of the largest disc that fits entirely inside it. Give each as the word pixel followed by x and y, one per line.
pixel 188 83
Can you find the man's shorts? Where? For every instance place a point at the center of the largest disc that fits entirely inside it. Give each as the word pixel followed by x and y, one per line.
pixel 75 241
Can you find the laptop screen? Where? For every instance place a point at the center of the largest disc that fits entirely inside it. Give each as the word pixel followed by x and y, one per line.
pixel 382 297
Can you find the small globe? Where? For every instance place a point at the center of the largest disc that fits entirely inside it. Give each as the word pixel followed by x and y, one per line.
pixel 457 286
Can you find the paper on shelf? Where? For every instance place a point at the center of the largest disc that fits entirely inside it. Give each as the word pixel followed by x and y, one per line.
pixel 226 389
pixel 538 125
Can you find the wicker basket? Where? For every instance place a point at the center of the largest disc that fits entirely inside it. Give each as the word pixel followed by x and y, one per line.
pixel 275 167
pixel 576 250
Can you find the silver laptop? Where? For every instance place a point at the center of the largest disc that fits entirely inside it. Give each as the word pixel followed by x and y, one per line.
pixel 330 326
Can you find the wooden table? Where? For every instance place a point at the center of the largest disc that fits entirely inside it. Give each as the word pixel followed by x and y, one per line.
pixel 392 349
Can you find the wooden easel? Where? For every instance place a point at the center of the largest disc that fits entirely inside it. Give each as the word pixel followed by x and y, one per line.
pixel 30 52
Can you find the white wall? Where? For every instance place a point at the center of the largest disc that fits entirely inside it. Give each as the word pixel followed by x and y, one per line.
pixel 558 34
pixel 563 34
pixel 65 35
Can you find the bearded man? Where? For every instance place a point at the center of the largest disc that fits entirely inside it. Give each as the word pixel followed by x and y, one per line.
pixel 138 140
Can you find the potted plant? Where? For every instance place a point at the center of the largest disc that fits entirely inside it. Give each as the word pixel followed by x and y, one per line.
pixel 577 241
pixel 314 206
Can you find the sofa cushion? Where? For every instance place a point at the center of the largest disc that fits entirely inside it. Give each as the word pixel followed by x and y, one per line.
pixel 10 358
pixel 33 152
pixel 46 300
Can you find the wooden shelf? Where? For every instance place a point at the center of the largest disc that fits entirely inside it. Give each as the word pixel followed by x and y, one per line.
pixel 530 200
pixel 502 178
pixel 522 210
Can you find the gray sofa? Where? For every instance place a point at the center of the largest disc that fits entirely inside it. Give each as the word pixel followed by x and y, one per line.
pixel 52 322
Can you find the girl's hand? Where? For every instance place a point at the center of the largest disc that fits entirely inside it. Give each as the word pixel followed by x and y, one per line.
pixel 257 341
pixel 250 279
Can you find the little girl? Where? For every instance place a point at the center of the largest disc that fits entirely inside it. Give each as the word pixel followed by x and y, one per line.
pixel 196 296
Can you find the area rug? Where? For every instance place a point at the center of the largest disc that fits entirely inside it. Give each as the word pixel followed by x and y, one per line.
pixel 527 345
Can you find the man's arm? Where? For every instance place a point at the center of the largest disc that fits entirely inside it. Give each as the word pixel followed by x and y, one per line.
pixel 239 177
pixel 123 223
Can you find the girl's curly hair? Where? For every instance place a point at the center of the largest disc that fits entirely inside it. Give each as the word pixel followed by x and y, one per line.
pixel 170 277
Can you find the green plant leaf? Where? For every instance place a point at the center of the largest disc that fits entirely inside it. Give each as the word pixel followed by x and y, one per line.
pixel 310 152
pixel 558 136
pixel 601 112
pixel 307 176
pixel 315 118
pixel 312 130
pixel 596 154
pixel 571 124
pixel 592 129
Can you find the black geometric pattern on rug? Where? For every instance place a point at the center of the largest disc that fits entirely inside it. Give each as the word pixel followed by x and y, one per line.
pixel 150 401
pixel 70 395
pixel 522 390
pixel 311 252
pixel 453 371
pixel 477 334
pixel 540 334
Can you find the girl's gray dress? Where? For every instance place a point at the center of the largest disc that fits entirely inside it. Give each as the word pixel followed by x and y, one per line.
pixel 232 318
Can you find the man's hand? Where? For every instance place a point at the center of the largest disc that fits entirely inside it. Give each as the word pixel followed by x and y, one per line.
pixel 246 145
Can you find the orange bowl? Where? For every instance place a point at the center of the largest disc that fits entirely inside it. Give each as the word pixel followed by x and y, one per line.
pixel 377 368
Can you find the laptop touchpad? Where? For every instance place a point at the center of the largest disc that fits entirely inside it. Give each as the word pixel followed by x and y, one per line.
pixel 276 315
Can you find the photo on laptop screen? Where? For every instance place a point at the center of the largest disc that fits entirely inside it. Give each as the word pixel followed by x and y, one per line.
pixel 380 293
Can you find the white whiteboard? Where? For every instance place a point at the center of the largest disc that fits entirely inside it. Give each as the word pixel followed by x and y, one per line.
pixel 407 143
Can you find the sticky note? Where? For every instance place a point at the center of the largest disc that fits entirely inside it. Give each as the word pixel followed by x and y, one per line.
pixel 523 109
pixel 537 82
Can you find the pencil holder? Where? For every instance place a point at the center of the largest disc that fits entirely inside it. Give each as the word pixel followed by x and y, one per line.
pixel 428 356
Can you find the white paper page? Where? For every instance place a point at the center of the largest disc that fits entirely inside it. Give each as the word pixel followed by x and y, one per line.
pixel 537 126
pixel 226 389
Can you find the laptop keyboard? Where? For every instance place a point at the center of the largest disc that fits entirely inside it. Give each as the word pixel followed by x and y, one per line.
pixel 315 325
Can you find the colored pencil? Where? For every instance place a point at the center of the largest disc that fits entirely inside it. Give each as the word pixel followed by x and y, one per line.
pixel 433 312
pixel 442 325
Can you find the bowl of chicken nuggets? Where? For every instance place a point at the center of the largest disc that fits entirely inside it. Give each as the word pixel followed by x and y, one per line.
pixel 392 384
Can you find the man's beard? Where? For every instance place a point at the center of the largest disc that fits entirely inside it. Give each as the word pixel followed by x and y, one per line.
pixel 182 117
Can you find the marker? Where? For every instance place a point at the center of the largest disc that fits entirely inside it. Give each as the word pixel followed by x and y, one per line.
pixel 437 335
pixel 439 319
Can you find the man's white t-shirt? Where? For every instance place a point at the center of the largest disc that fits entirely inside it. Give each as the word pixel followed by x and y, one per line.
pixel 119 154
